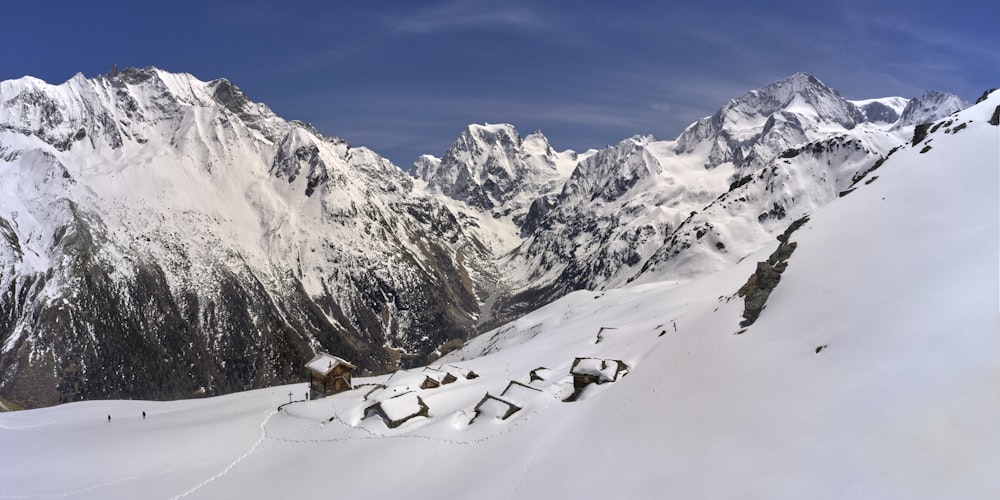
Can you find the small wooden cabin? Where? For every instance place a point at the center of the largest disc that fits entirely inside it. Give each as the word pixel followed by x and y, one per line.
pixel 328 375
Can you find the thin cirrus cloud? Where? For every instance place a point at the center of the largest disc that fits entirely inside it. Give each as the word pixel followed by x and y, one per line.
pixel 460 15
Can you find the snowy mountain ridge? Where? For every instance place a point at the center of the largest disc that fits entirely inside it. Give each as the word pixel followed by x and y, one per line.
pixel 644 209
pixel 174 223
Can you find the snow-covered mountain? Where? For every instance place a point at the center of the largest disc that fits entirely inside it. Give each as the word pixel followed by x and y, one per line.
pixel 872 373
pixel 753 128
pixel 165 236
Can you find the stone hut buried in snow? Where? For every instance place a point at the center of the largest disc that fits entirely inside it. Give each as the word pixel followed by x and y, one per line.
pixel 586 371
pixel 328 375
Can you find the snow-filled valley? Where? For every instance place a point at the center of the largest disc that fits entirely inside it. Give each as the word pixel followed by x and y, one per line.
pixel 871 373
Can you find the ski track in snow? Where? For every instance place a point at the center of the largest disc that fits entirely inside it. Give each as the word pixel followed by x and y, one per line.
pixel 237 461
pixel 520 478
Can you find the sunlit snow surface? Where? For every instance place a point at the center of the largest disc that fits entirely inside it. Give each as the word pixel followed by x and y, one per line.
pixel 897 282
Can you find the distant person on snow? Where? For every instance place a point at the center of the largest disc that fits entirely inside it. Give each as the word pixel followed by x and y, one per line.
pixel 109 419
pixel 144 415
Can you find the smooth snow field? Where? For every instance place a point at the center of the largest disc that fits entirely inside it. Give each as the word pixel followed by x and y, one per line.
pixel 873 373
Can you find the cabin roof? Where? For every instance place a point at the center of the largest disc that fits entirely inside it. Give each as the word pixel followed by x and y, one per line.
pixel 605 370
pixel 324 363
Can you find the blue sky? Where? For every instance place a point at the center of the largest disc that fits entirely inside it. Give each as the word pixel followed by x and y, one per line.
pixel 405 77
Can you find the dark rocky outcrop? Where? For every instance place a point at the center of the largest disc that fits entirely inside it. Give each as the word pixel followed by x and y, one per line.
pixel 985 95
pixel 767 275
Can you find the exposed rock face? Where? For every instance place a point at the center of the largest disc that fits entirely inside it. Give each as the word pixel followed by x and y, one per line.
pixel 492 169
pixel 584 236
pixel 767 275
pixel 878 112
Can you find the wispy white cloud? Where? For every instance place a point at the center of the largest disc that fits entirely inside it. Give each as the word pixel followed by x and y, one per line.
pixel 467 14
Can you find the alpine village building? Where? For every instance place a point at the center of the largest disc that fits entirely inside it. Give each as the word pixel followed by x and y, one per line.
pixel 328 375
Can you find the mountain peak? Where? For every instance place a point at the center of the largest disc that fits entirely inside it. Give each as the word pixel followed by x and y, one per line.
pixel 228 95
pixel 802 78
pixel 932 105
pixel 751 128
pixel 784 93
pixel 491 128
pixel 492 168
pixel 133 75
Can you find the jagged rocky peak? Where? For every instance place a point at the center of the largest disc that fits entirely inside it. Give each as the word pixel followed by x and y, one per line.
pixel 59 115
pixel 931 106
pixel 482 154
pixel 609 173
pixel 123 106
pixel 426 166
pixel 133 76
pixel 228 95
pixel 493 169
pixel 482 142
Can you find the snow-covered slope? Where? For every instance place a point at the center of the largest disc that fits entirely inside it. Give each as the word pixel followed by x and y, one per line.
pixel 759 205
pixel 871 374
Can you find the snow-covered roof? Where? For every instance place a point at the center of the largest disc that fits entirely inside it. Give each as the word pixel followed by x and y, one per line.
pixel 605 370
pixel 324 363
pixel 400 407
